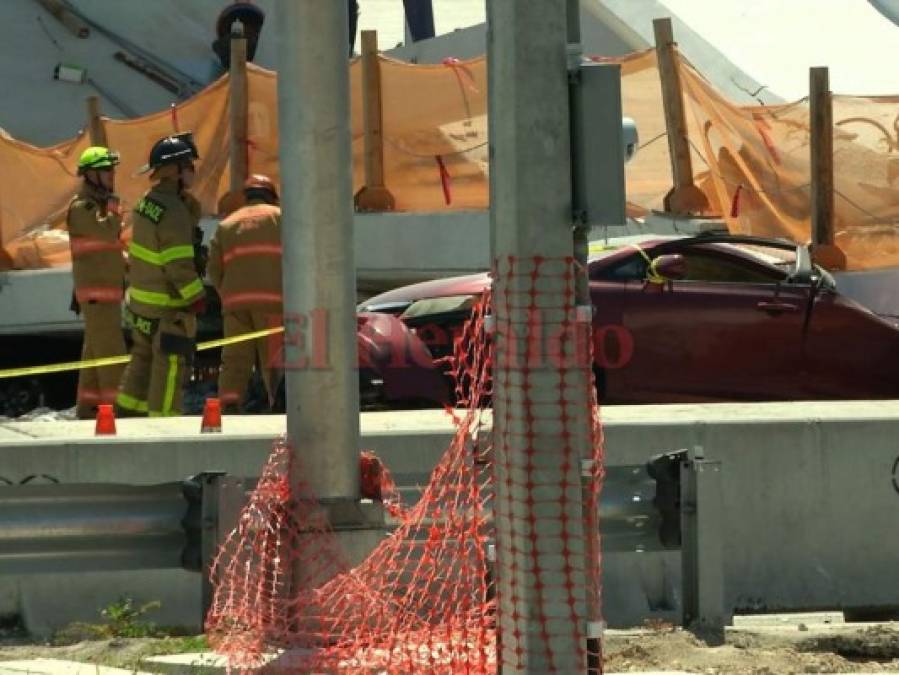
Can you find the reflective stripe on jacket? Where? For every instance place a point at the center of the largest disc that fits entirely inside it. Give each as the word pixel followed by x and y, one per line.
pixel 245 258
pixel 98 266
pixel 163 276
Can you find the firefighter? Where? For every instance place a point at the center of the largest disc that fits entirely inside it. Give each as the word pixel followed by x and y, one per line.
pixel 165 291
pixel 98 272
pixel 245 268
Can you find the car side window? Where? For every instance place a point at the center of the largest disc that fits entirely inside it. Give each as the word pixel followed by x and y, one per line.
pixel 632 268
pixel 701 266
pixel 707 267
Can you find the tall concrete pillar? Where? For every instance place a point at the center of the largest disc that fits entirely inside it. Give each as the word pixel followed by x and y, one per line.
pixel 322 385
pixel 542 623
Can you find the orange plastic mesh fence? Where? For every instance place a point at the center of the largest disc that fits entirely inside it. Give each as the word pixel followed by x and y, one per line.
pixel 751 161
pixel 422 601
pixel 546 426
pixel 419 602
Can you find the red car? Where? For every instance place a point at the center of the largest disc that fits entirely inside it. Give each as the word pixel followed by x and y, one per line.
pixel 736 319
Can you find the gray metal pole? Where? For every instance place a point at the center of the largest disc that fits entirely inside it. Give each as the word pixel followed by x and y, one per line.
pixel 322 385
pixel 581 234
pixel 531 216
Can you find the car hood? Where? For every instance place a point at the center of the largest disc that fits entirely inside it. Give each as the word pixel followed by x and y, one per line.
pixel 470 284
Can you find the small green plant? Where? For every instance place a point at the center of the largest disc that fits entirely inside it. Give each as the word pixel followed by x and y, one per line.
pixel 124 618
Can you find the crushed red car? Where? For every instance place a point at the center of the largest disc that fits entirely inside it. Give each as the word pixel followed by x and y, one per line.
pixel 734 319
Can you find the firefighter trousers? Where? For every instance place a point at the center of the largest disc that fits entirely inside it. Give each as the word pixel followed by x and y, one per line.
pixel 238 359
pixel 102 338
pixel 161 361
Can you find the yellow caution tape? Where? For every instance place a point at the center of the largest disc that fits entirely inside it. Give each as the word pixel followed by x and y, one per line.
pixel 652 276
pixel 244 337
pixel 116 360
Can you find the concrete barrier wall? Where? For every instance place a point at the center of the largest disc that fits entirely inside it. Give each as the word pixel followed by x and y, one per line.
pixel 811 493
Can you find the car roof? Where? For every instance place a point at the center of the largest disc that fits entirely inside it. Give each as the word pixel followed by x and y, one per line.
pixel 602 251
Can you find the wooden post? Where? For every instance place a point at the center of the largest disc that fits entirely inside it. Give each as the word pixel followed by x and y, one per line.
pixel 684 198
pixel 62 14
pixel 238 102
pixel 374 195
pixel 95 126
pixel 824 250
pixel 821 146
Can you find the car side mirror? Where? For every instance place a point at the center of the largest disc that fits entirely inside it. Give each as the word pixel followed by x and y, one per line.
pixel 670 267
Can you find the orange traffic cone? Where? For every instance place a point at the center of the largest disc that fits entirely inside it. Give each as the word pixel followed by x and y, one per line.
pixel 212 416
pixel 105 420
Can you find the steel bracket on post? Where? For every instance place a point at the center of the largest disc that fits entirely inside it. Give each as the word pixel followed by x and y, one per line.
pixel 349 514
pixel 702 560
pixel 214 500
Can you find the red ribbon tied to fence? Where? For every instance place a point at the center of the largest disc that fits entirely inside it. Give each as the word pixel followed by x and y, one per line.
pixel 444 180
pixel 763 127
pixel 462 72
pixel 735 203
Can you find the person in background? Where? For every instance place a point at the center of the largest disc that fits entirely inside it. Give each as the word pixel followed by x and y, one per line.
pixel 245 268
pixel 98 271
pixel 165 291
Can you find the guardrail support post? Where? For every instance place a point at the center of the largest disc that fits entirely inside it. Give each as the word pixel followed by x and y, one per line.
pixel 701 552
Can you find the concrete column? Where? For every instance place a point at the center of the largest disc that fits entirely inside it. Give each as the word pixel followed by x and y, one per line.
pixel 531 216
pixel 319 273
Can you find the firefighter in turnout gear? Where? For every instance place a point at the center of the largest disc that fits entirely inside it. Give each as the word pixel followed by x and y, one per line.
pixel 98 272
pixel 245 268
pixel 165 291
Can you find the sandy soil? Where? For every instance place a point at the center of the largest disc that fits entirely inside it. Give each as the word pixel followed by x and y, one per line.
pixel 871 649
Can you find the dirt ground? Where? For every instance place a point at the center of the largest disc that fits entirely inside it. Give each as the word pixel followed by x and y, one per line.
pixel 871 649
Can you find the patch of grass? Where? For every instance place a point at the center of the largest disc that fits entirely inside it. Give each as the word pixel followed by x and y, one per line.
pixel 123 619
pixel 187 644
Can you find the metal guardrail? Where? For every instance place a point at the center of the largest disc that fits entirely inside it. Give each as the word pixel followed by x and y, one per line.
pixel 54 528
pixel 50 528
pixel 103 527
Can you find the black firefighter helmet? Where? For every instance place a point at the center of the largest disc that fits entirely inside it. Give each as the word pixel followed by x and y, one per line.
pixel 252 18
pixel 174 149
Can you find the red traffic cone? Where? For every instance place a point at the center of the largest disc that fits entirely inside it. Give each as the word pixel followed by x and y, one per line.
pixel 105 420
pixel 212 416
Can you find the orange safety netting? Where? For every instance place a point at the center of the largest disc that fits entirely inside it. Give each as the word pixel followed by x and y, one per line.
pixel 751 161
pixel 423 600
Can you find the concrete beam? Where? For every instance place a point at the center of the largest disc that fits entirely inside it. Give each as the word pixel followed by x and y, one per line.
pixel 800 484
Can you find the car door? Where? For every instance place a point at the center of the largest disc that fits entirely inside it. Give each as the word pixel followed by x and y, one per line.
pixel 731 329
pixel 850 352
